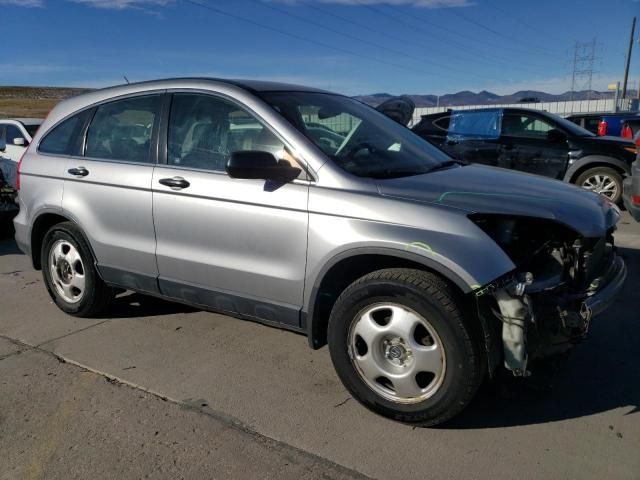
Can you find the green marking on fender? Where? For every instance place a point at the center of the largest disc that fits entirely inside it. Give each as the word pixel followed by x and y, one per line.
pixel 483 194
pixel 422 246
pixel 475 286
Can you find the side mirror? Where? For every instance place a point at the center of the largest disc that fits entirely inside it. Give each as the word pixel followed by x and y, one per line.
pixel 556 136
pixel 19 141
pixel 3 145
pixel 259 165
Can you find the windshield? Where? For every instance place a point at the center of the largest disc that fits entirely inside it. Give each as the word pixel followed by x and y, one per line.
pixel 357 138
pixel 32 129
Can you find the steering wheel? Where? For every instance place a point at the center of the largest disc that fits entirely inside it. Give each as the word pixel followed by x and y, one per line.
pixel 360 146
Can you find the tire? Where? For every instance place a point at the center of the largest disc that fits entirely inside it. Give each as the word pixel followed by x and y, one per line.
pixel 69 272
pixel 410 297
pixel 597 178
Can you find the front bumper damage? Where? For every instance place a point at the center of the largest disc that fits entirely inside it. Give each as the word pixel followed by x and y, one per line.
pixel 527 318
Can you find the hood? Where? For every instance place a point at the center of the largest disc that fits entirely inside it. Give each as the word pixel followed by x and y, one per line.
pixel 489 190
pixel 399 109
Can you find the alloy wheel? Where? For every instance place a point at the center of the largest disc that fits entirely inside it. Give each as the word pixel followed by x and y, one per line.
pixel 602 184
pixel 397 353
pixel 67 271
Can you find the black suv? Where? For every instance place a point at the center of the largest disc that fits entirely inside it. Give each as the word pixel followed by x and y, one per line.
pixel 526 140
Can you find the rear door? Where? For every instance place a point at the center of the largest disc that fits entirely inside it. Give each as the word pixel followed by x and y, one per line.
pixel 533 143
pixel 107 188
pixel 230 244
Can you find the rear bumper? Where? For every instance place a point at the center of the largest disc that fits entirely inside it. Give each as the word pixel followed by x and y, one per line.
pixel 607 293
pixel 22 234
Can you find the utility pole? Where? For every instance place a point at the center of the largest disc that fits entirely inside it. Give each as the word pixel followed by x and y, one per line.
pixel 628 59
pixel 584 56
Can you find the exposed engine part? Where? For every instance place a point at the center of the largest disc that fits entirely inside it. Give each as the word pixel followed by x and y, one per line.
pixel 514 313
pixel 541 308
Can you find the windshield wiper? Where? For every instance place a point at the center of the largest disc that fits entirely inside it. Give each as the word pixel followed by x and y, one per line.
pixel 446 164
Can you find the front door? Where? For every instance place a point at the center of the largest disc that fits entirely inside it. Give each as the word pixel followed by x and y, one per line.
pixel 533 144
pixel 233 245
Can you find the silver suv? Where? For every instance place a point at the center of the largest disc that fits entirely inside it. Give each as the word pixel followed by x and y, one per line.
pixel 311 211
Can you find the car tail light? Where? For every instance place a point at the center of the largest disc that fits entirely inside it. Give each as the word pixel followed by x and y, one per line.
pixel 18 170
pixel 602 128
pixel 626 131
pixel 635 199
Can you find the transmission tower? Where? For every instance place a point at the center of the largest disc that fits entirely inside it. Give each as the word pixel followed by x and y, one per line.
pixel 584 58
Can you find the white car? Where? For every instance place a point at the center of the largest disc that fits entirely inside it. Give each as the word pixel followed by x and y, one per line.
pixel 17 134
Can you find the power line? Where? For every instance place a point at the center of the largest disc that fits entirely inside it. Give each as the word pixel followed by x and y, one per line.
pixel 498 33
pixel 393 16
pixel 519 20
pixel 466 58
pixel 300 37
pixel 360 39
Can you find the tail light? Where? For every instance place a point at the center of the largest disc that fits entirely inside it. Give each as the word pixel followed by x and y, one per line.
pixel 602 128
pixel 626 131
pixel 18 171
pixel 635 199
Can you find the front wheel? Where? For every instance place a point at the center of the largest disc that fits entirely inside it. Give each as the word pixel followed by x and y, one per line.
pixel 401 345
pixel 603 180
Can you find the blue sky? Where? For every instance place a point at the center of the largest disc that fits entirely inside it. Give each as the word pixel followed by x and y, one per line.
pixel 350 46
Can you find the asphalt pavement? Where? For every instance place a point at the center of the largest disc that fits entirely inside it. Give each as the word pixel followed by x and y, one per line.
pixel 84 398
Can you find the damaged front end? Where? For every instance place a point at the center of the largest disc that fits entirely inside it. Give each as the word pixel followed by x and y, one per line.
pixel 562 279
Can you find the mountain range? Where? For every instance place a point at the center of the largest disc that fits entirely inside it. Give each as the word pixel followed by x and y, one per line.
pixel 488 98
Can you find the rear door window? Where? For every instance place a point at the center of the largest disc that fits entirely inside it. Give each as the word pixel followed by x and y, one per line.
pixel 65 138
pixel 122 130
pixel 479 124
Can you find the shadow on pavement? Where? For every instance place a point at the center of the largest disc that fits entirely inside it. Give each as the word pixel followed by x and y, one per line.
pixel 597 376
pixel 131 305
pixel 8 246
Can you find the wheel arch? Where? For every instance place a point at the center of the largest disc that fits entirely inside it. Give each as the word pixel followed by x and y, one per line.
pixel 594 161
pixel 41 225
pixel 346 267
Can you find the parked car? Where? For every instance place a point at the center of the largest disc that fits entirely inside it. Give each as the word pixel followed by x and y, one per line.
pixel 8 205
pixel 534 142
pixel 17 134
pixel 423 275
pixel 603 124
pixel 631 194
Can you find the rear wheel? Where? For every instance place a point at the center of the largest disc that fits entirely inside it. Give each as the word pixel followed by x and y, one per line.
pixel 403 348
pixel 603 180
pixel 69 272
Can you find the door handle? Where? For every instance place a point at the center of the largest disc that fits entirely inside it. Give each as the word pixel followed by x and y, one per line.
pixel 78 172
pixel 176 183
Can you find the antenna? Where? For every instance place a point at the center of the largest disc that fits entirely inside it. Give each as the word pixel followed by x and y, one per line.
pixel 126 79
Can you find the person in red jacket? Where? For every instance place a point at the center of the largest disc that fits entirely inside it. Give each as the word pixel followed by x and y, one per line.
pixel 602 128
pixel 626 131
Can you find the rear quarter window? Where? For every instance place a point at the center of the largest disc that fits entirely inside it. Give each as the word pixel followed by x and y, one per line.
pixel 479 124
pixel 64 138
